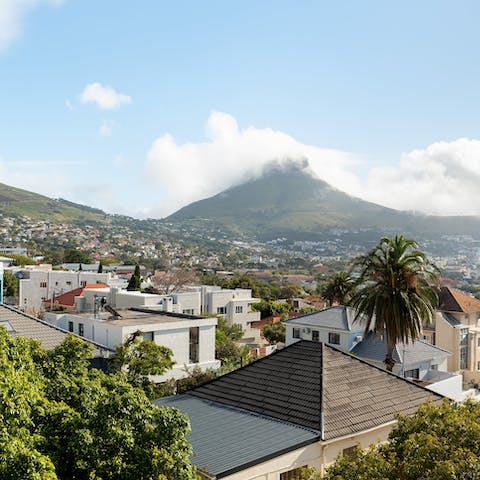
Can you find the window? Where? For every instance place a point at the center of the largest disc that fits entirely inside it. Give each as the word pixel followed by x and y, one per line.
pixel 148 336
pixel 292 474
pixel 415 373
pixel 239 309
pixel 478 366
pixel 334 338
pixel 68 283
pixel 315 335
pixel 43 284
pixel 194 337
pixel 81 331
pixel 221 310
pixel 188 311
pixel 83 283
pixel 348 452
pixel 434 367
pixel 70 326
pixel 463 348
pixel 296 333
pixel 478 342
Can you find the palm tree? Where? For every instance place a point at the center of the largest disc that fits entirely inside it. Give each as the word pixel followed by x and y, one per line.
pixel 396 293
pixel 338 288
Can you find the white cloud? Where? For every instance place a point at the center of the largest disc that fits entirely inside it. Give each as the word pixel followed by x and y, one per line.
pixel 12 13
pixel 106 98
pixel 106 129
pixel 192 171
pixel 442 179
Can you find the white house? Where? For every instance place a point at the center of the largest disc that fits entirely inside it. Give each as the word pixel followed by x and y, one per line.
pixel 191 338
pixel 38 285
pixel 419 360
pixel 235 305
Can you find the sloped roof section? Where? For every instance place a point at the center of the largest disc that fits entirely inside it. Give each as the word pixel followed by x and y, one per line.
pixel 373 348
pixel 23 325
pixel 302 381
pixel 453 300
pixel 68 298
pixel 227 439
pixel 339 317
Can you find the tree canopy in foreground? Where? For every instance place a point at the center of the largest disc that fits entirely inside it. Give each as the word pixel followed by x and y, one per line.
pixel 62 421
pixel 438 442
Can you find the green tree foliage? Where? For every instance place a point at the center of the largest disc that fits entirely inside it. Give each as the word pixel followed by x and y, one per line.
pixel 10 284
pixel 140 358
pixel 73 255
pixel 438 442
pixel 63 421
pixel 226 336
pixel 396 292
pixel 135 282
pixel 291 290
pixel 269 308
pixel 338 289
pixel 21 260
pixel 274 333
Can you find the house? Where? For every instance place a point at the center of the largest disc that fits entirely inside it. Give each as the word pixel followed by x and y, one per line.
pixel 20 324
pixel 37 285
pixel 417 360
pixel 456 328
pixel 301 406
pixel 234 305
pixel 334 326
pixel 191 338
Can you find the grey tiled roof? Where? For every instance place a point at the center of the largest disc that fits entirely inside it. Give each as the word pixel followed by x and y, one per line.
pixel 302 381
pixel 24 325
pixel 373 348
pixel 227 439
pixel 450 319
pixel 341 318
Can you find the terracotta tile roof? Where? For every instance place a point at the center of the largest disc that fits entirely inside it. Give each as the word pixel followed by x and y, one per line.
pixel 308 381
pixel 67 299
pixel 452 300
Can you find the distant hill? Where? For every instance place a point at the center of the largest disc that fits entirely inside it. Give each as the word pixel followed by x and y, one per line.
pixel 291 202
pixel 18 202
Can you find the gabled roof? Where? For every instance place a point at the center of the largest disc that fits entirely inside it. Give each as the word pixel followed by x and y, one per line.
pixel 452 300
pixel 340 318
pixel 319 387
pixel 373 348
pixel 23 325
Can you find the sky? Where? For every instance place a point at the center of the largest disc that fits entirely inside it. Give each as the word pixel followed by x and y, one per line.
pixel 140 108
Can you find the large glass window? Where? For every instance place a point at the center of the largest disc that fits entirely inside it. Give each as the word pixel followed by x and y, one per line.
pixel 296 333
pixel 291 474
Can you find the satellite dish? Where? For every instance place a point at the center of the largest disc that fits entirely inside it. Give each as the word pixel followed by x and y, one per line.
pixel 19 275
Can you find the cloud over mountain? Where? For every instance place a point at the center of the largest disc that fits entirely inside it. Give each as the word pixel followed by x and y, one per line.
pixel 441 179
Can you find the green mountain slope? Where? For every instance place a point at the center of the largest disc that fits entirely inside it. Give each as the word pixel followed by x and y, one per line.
pixel 18 202
pixel 291 202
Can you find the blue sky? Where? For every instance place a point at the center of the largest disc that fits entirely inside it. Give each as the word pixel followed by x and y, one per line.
pixel 141 107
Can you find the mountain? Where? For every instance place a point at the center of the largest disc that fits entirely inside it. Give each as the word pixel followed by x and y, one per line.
pixel 291 202
pixel 18 202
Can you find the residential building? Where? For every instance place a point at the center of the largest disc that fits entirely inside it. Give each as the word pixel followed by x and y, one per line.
pixel 20 324
pixel 234 305
pixel 457 329
pixel 301 406
pixel 37 285
pixel 417 360
pixel 191 338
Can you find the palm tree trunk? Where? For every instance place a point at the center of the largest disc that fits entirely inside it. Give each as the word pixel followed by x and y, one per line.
pixel 389 361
